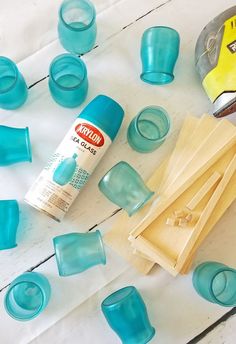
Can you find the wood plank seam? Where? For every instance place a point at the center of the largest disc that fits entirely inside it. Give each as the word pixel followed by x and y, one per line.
pixel 135 21
pixel 224 318
pixel 38 81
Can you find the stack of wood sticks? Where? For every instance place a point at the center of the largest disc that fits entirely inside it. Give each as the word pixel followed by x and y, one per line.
pixel 193 188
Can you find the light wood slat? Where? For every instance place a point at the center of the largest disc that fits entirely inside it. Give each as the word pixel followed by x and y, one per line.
pixel 117 237
pixel 223 204
pixel 164 244
pixel 214 178
pixel 229 172
pixel 217 144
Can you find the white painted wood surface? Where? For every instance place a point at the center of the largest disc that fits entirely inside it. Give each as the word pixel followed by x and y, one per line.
pixel 27 26
pixel 113 67
pixel 223 333
pixel 170 328
pixel 48 123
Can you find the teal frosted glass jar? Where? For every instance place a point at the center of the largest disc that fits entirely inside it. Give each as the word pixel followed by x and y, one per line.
pixel 216 283
pixel 14 145
pixel 149 129
pixel 123 186
pixel 68 82
pixel 28 295
pixel 126 313
pixel 13 88
pixel 77 252
pixel 9 221
pixel 159 53
pixel 77 26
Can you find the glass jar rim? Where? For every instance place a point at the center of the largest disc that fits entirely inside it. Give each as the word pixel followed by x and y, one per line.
pixel 223 269
pixel 36 312
pixel 130 290
pixel 157 27
pixel 64 4
pixel 152 107
pixel 15 70
pixel 144 76
pixel 9 202
pixel 99 236
pixel 28 145
pixel 78 60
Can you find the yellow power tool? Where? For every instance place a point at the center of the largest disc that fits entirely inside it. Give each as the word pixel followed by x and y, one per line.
pixel 215 55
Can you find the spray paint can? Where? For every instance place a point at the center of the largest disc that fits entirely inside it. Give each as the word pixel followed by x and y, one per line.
pixel 75 159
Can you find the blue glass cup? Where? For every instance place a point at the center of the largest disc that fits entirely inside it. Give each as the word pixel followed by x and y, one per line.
pixel 123 186
pixel 14 145
pixel 9 221
pixel 148 130
pixel 159 53
pixel 77 26
pixel 216 283
pixel 68 82
pixel 126 313
pixel 28 295
pixel 13 88
pixel 77 252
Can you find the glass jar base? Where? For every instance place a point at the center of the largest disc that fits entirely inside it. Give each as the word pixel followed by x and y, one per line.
pixel 157 78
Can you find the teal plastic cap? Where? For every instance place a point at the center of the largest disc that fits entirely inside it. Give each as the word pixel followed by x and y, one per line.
pixel 106 113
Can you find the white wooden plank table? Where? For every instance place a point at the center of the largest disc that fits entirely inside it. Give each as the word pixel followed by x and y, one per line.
pixel 73 315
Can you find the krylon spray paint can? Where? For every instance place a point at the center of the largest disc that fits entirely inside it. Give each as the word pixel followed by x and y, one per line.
pixel 75 159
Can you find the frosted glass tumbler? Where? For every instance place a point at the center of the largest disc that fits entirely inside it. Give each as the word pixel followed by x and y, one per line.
pixel 148 130
pixel 77 26
pixel 159 53
pixel 123 186
pixel 68 82
pixel 216 283
pixel 14 145
pixel 13 88
pixel 27 296
pixel 77 252
pixel 9 221
pixel 126 313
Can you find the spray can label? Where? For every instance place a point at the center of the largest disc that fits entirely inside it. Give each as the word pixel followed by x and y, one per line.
pixel 68 169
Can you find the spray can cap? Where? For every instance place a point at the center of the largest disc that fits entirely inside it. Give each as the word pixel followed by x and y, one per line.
pixel 106 113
